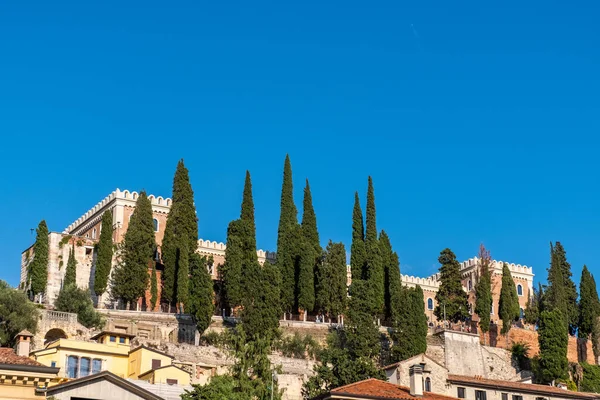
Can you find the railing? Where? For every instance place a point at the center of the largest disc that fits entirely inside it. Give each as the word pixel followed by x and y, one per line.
pixel 61 316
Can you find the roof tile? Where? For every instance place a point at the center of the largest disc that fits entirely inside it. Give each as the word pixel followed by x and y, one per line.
pixel 385 390
pixel 8 356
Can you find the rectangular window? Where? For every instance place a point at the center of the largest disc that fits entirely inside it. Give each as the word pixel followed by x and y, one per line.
pixel 121 340
pixel 155 364
pixel 96 366
pixel 480 395
pixel 53 364
pixel 72 367
pixel 84 367
pixel 461 393
pixel 517 397
pixel 113 339
pixel 171 381
pixel 504 396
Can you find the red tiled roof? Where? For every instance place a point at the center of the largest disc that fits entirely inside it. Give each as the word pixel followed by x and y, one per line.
pixel 8 356
pixel 518 386
pixel 376 389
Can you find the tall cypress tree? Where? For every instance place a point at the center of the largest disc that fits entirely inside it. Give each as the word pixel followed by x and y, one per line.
pixel 409 335
pixel 483 290
pixel 331 292
pixel 183 273
pixel 553 340
pixel 357 249
pixel 232 268
pixel 287 239
pixel 589 305
pixel 508 307
pixel 131 275
pixel 309 222
pixel 105 253
pixel 374 267
pixel 570 289
pixel 392 280
pixel 200 301
pixel 38 269
pixel 182 226
pixel 451 293
pixel 71 270
pixel 362 335
pixel 310 254
pixel 555 296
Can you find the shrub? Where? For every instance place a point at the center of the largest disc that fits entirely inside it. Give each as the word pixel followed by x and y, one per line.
pixel 591 378
pixel 221 340
pixel 520 353
pixel 298 346
pixel 74 300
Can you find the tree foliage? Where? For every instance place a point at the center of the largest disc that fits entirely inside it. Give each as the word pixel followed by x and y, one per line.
pixel 570 289
pixel 483 290
pixel 232 273
pixel 589 305
pixel 591 378
pixel 104 255
pixel 561 293
pixel 451 293
pixel 357 249
pixel 38 269
pixel 331 292
pixel 374 267
pixel 391 277
pixel 508 306
pixel 16 314
pixel 409 335
pixel 131 276
pixel 534 302
pixel 72 299
pixel 71 270
pixel 309 254
pixel 553 340
pixel 200 303
pixel 153 288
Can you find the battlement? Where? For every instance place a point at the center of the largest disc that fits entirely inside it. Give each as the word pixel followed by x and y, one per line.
pixel 497 265
pixel 211 247
pixel 431 281
pixel 117 194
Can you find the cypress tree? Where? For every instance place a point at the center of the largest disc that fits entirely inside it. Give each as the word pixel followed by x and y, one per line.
pixel 105 253
pixel 287 240
pixel 451 293
pixel 357 249
pixel 555 296
pixel 183 273
pixel 232 268
pixel 331 291
pixel 131 275
pixel 508 307
pixel 38 269
pixel 532 312
pixel 306 276
pixel 409 335
pixel 392 281
pixel 570 289
pixel 362 335
pixel 589 305
pixel 374 267
pixel 553 340
pixel 71 270
pixel 309 222
pixel 153 288
pixel 182 226
pixel 200 301
pixel 483 290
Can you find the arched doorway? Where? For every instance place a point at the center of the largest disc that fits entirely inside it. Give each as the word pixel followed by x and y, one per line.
pixel 54 334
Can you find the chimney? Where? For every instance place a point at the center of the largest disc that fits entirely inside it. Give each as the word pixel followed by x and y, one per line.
pixel 23 343
pixel 416 380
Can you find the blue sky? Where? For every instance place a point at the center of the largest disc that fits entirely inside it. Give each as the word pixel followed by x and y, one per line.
pixel 478 123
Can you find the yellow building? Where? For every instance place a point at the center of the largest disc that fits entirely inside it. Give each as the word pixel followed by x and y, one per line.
pixel 111 352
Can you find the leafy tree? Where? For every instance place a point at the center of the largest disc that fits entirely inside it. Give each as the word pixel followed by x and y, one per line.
pixel 591 378
pixel 451 293
pixel 153 288
pixel 200 304
pixel 391 273
pixel 357 250
pixel 180 239
pixel 287 240
pixel 553 340
pixel 331 292
pixel 589 305
pixel 71 299
pixel 556 296
pixel 374 268
pixel 71 270
pixel 409 335
pixel 483 290
pixel 131 274
pixel 105 253
pixel 16 314
pixel 38 269
pixel 508 307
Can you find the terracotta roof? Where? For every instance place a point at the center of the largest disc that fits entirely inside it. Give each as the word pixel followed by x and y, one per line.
pixel 380 390
pixel 8 356
pixel 518 387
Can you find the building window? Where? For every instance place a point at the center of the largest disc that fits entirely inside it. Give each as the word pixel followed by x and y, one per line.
pixel 430 304
pixel 517 397
pixel 504 396
pixel 94 233
pixel 461 393
pixel 428 384
pixel 113 338
pixel 171 381
pixel 155 223
pixel 520 290
pixel 470 285
pixel 480 395
pixel 53 364
pixel 521 313
pixel 121 340
pixel 72 367
pixel 492 309
pixel 96 366
pixel 155 364
pixel 84 367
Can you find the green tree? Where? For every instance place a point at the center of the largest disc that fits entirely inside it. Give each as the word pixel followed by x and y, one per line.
pixel 38 269
pixel 555 296
pixel 287 240
pixel 570 289
pixel 451 293
pixel 232 268
pixel 71 270
pixel 589 305
pixel 483 290
pixel 16 314
pixel 331 291
pixel 309 222
pixel 362 335
pixel 553 340
pixel 153 288
pixel 591 378
pixel 71 299
pixel 200 302
pixel 104 255
pixel 181 232
pixel 357 249
pixel 391 273
pixel 374 268
pixel 409 335
pixel 508 306
pixel 532 312
pixel 305 264
pixel 131 274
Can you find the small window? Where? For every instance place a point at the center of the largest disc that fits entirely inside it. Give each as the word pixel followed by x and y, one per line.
pixel 517 397
pixel 155 364
pixel 96 365
pixel 85 366
pixel 480 395
pixel 430 304
pixel 428 384
pixel 121 339
pixel 461 393
pixel 504 396
pixel 94 233
pixel 470 285
pixel 113 338
pixel 155 223
pixel 171 381
pixel 88 251
pixel 519 291
pixel 53 364
pixel 492 309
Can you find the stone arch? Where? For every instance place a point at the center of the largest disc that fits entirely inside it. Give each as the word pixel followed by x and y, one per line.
pixel 54 334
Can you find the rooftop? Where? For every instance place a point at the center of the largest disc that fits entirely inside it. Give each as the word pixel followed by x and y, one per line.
pixel 376 389
pixel 8 357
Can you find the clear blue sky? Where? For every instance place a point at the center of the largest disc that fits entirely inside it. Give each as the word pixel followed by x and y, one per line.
pixel 477 123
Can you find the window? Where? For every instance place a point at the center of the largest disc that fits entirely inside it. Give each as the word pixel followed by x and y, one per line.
pixel 517 397
pixel 155 364
pixel 428 384
pixel 520 290
pixel 171 381
pixel 461 393
pixel 492 310
pixel 96 366
pixel 113 338
pixel 72 367
pixel 53 364
pixel 430 304
pixel 155 223
pixel 521 313
pixel 470 285
pixel 480 395
pixel 121 339
pixel 504 396
pixel 84 367
pixel 94 233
